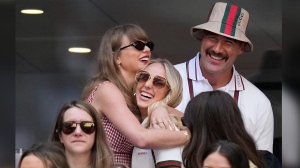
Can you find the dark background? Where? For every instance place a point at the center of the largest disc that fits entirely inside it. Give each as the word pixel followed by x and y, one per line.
pixel 7 84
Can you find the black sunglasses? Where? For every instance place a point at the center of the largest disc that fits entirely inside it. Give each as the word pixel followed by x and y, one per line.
pixel 139 45
pixel 158 82
pixel 86 126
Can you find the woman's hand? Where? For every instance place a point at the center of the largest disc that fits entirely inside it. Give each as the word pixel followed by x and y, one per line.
pixel 188 134
pixel 160 119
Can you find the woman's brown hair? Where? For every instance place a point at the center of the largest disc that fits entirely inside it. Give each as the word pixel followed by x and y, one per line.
pixel 212 116
pixel 108 69
pixel 102 155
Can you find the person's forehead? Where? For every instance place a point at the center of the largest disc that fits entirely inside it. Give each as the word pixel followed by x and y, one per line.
pixel 77 114
pixel 216 160
pixel 156 69
pixel 125 39
pixel 206 32
pixel 31 161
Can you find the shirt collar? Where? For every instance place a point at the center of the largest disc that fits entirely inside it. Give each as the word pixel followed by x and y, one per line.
pixel 236 82
pixel 194 68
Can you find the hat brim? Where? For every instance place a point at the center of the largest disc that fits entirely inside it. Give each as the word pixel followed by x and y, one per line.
pixel 215 28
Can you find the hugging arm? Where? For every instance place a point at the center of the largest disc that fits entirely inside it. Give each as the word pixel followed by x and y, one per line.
pixel 109 100
pixel 160 116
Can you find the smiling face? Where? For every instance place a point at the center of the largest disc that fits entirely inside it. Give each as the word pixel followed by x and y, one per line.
pixel 130 59
pixel 78 142
pixel 216 160
pixel 146 93
pixel 218 53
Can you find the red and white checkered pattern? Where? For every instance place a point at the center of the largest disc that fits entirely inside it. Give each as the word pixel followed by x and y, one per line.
pixel 121 147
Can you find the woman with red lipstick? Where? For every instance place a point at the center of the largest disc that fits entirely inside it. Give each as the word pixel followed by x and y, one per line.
pixel 124 50
pixel 79 128
pixel 158 84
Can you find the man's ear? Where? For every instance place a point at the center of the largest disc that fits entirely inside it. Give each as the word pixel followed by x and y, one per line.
pixel 242 48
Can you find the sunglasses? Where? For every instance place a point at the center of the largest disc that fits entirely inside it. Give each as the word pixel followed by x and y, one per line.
pixel 86 126
pixel 139 45
pixel 158 81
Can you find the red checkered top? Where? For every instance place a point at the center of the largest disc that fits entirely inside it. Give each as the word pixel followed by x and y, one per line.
pixel 121 147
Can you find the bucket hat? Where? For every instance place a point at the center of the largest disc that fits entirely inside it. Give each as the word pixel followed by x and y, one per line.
pixel 227 20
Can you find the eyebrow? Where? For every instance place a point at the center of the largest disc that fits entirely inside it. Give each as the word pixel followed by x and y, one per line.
pixel 215 34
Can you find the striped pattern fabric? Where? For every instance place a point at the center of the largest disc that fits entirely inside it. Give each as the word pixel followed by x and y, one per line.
pixel 121 147
pixel 230 19
pixel 169 163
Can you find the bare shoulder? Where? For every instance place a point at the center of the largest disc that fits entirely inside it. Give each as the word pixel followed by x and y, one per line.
pixel 106 90
pixel 107 96
pixel 106 84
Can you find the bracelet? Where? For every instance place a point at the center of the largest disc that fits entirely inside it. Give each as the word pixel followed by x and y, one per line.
pixel 185 135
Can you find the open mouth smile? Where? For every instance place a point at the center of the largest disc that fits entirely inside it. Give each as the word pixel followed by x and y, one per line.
pixel 146 95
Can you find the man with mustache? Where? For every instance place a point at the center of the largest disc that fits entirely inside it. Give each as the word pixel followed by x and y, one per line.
pixel 222 38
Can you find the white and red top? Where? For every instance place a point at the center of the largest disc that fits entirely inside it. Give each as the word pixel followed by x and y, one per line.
pixel 156 158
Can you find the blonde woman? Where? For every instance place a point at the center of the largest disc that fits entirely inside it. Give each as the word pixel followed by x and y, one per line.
pixel 158 84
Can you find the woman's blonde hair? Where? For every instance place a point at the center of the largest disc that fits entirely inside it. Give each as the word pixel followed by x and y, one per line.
pixel 108 70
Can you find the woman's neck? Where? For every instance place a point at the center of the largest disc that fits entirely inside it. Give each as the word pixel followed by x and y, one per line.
pixel 78 160
pixel 129 78
pixel 144 113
